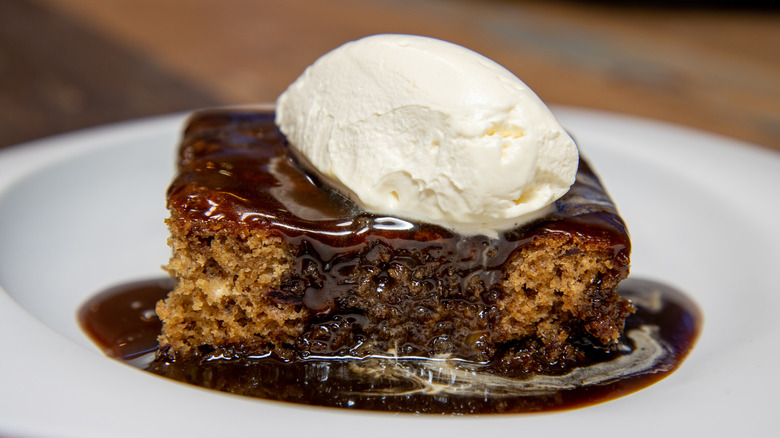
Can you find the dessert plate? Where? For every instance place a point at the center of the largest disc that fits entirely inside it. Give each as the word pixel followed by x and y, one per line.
pixel 84 211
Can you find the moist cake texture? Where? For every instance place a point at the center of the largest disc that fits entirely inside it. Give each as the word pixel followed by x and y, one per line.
pixel 269 262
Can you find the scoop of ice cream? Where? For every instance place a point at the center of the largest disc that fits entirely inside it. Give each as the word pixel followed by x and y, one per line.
pixel 424 129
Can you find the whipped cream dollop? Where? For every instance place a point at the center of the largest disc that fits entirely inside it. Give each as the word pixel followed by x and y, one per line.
pixel 420 128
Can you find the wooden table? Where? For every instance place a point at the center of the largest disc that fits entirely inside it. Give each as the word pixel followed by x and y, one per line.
pixel 70 64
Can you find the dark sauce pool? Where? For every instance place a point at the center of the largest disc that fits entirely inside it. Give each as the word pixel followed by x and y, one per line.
pixel 657 339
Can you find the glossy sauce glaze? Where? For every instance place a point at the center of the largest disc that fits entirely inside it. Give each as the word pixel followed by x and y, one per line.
pixel 657 339
pixel 237 172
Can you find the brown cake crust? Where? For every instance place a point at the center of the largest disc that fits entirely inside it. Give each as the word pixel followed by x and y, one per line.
pixel 269 262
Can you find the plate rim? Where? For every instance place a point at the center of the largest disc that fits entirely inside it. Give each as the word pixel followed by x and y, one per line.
pixel 27 158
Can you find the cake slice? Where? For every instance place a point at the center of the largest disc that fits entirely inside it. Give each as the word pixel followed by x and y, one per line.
pixel 270 261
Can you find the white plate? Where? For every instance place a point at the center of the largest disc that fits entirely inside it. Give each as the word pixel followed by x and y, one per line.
pixel 84 211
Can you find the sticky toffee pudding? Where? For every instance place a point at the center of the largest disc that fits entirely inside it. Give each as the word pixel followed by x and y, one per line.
pixel 283 289
pixel 267 261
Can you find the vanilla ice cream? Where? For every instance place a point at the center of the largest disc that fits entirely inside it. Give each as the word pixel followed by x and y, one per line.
pixel 423 129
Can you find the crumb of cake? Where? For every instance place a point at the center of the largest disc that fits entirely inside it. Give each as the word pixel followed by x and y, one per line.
pixel 228 293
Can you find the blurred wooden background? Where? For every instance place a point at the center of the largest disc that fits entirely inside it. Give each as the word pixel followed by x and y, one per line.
pixel 70 64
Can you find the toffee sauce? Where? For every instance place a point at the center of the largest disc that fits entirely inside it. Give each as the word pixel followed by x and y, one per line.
pixel 657 339
pixel 235 173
